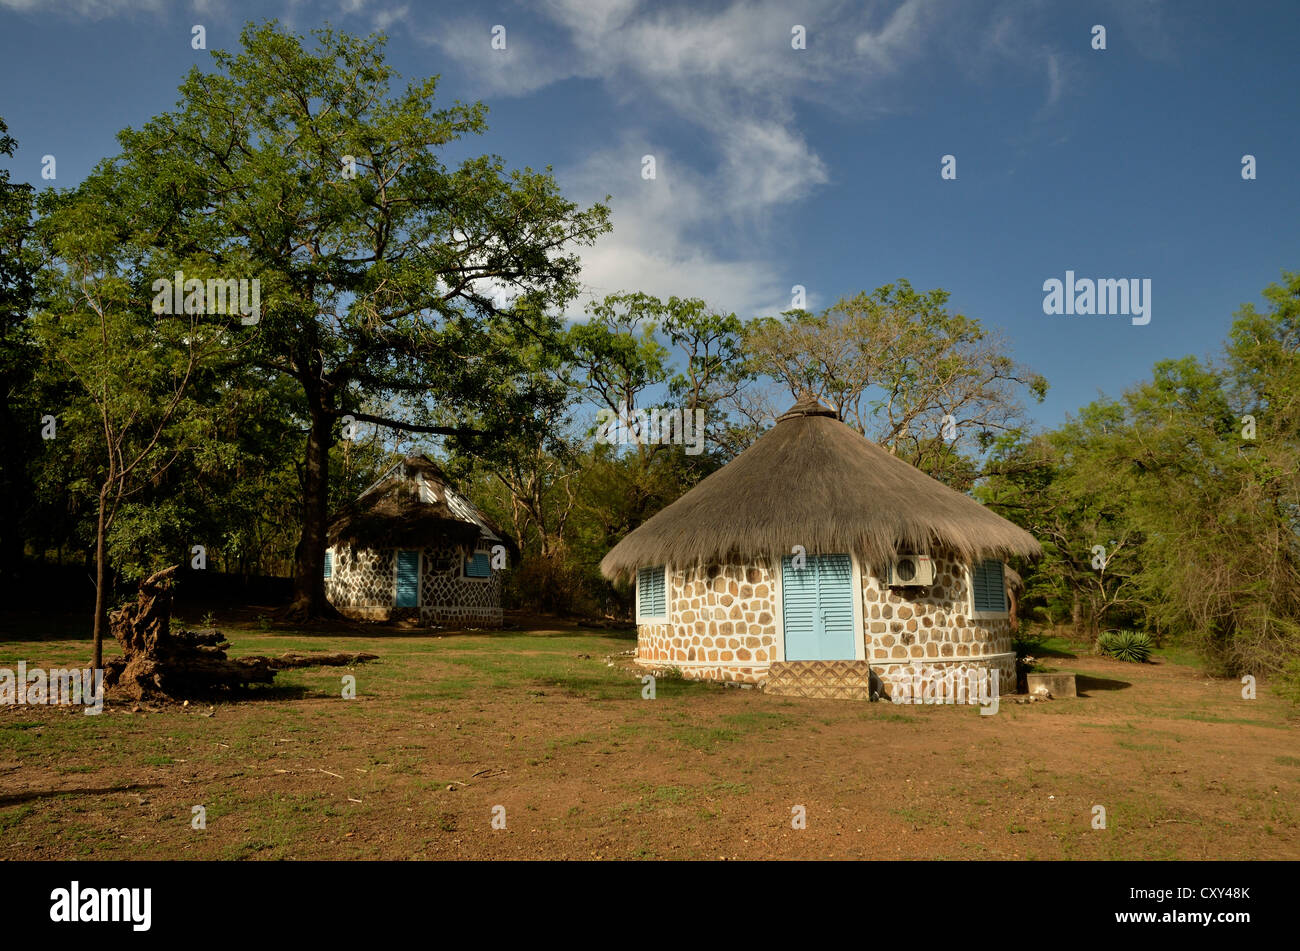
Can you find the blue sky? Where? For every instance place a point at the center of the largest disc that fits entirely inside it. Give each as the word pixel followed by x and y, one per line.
pixel 818 167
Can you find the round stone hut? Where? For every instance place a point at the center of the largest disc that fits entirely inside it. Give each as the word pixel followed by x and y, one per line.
pixel 410 547
pixel 818 564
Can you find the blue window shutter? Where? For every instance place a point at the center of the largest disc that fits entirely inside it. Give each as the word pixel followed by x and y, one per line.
pixel 988 591
pixel 329 564
pixel 835 583
pixel 479 565
pixel 799 609
pixel 651 592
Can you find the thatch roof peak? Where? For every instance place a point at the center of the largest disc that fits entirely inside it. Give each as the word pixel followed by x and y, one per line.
pixel 813 481
pixel 413 504
pixel 807 405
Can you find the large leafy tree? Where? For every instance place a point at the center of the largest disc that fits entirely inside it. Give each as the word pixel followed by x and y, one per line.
pixel 130 375
pixel 1191 482
pixel 1070 490
pixel 387 277
pixel 904 370
pixel 19 408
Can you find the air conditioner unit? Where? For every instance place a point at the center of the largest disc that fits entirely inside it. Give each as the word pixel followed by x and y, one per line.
pixel 911 571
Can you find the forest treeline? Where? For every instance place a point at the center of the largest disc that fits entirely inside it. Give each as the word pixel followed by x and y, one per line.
pixel 408 305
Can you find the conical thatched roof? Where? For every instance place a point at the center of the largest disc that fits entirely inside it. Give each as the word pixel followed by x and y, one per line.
pixel 410 505
pixel 813 481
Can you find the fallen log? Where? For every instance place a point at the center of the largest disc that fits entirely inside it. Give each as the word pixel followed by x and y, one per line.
pixel 161 664
pixel 292 659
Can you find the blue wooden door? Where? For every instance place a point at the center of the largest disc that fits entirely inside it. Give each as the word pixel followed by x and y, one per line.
pixel 817 605
pixel 408 579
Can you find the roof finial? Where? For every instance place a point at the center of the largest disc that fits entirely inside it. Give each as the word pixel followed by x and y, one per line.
pixel 808 405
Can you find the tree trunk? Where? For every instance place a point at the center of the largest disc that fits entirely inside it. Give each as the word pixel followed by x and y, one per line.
pixel 101 581
pixel 309 568
pixel 158 663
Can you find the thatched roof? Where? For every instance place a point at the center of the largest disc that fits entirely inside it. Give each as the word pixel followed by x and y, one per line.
pixel 411 505
pixel 812 481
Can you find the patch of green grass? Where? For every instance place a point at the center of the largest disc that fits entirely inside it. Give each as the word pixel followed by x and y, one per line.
pixel 1140 747
pixel 757 720
pixel 11 818
pixel 1176 654
pixel 1211 718
pixel 706 738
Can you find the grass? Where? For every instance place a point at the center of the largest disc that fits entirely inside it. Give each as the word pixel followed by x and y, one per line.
pixel 445 728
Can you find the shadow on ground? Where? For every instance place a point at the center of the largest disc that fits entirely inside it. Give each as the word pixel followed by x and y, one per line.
pixel 1084 683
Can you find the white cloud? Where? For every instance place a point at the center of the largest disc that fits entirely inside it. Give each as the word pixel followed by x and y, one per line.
pixel 385 19
pixel 90 9
pixel 731 74
pixel 901 37
pixel 659 242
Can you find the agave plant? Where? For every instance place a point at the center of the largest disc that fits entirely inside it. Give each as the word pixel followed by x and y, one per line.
pixel 1131 646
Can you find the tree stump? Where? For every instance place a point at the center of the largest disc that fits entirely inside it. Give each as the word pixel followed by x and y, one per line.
pixel 159 664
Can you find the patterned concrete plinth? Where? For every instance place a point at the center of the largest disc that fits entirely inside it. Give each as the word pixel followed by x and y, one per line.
pixel 820 679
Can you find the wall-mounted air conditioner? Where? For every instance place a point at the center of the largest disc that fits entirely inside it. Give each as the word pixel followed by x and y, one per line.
pixel 911 571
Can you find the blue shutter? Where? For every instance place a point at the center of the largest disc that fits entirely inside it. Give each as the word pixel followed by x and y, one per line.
pixel 988 589
pixel 799 587
pixel 478 565
pixel 408 579
pixel 835 602
pixel 329 564
pixel 651 595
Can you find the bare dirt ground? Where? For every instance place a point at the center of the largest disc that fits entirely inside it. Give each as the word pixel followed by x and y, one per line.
pixel 445 729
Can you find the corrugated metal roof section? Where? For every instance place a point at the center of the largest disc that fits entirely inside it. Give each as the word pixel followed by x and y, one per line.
pixel 463 509
pixel 428 491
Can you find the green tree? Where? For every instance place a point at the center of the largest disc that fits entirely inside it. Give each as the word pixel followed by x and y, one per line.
pixel 386 276
pixel 903 370
pixel 19 408
pixel 1191 481
pixel 131 374
pixel 1071 490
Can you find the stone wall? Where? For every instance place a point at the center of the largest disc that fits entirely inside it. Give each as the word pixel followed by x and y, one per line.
pixel 933 627
pixel 363 585
pixel 722 624
pixel 446 597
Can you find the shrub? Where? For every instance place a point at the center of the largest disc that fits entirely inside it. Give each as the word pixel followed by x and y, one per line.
pixel 1131 646
pixel 1288 683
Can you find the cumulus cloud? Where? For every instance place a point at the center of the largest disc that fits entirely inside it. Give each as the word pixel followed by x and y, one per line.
pixel 660 242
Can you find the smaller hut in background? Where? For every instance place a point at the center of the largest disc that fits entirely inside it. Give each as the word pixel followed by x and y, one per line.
pixel 413 548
